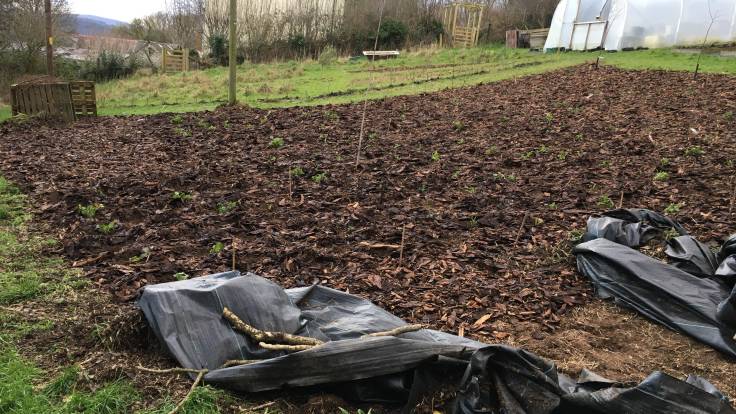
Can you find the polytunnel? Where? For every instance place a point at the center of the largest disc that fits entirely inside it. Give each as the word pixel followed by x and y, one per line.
pixel 633 24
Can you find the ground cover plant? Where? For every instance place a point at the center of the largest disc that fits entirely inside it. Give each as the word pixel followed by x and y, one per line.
pixel 484 190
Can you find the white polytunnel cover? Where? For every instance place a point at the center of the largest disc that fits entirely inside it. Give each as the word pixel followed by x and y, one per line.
pixel 632 24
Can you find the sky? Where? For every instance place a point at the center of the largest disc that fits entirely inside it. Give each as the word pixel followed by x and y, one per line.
pixel 124 10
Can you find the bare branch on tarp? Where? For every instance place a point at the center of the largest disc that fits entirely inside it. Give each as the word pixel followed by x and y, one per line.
pixel 265 336
pixel 282 347
pixel 397 331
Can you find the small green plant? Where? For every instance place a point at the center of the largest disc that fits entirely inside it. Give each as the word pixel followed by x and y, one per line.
pixel 694 151
pixel 318 178
pixel 605 164
pixel 728 116
pixel 181 196
pixel 579 137
pixel 549 117
pixel 664 162
pixel 107 228
pixel 144 255
pixel 473 222
pixel 331 115
pixel 436 156
pixel 552 206
pixel 276 143
pixel 296 172
pixel 177 119
pixel 528 155
pixel 226 207
pixel 182 132
pixel 226 124
pixel 661 176
pixel 471 189
pixel 574 236
pixel 458 125
pixel 562 155
pixel 542 149
pixel 670 234
pixel 205 125
pixel 605 201
pixel 90 210
pixel 455 175
pixel 181 276
pixel 373 135
pixel 672 208
pixel 217 248
pixel 538 221
pixel 491 150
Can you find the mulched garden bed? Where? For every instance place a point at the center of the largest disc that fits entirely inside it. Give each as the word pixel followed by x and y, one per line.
pixel 488 186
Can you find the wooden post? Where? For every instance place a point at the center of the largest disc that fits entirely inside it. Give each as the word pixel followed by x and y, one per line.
pixel 49 40
pixel 232 53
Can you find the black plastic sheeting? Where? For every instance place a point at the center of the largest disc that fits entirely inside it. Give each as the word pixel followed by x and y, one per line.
pixel 693 294
pixel 186 316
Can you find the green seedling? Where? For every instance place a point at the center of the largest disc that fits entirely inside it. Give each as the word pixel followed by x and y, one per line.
pixel 664 162
pixel 552 206
pixel 605 201
pixel 661 176
pixel 436 156
pixel 562 155
pixel 181 196
pixel 177 120
pixel 318 178
pixel 296 172
pixel 672 208
pixel 90 210
pixel 694 151
pixel 182 132
pixel 217 248
pixel 276 143
pixel 458 125
pixel 491 150
pixel 181 276
pixel 107 228
pixel 226 207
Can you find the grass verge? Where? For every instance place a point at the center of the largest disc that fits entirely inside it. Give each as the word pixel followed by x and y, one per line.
pixel 29 282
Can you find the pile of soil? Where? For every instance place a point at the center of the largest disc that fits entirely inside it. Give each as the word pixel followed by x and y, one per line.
pixel 460 214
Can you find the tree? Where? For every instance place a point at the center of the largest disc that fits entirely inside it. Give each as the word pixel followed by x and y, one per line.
pixel 23 27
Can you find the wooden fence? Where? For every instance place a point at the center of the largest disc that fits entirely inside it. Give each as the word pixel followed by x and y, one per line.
pixel 84 99
pixel 173 61
pixel 65 100
pixel 50 99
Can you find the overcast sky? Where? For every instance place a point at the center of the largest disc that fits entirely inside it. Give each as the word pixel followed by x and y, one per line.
pixel 125 10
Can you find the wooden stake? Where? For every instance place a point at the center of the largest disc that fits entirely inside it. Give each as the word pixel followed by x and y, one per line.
pixel 621 200
pixel 232 54
pixel 233 252
pixel 49 39
pixel 521 228
pixel 401 250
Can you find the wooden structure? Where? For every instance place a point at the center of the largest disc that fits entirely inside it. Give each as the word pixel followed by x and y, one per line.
pixel 52 99
pixel 84 99
pixel 532 39
pixel 462 24
pixel 64 100
pixel 178 60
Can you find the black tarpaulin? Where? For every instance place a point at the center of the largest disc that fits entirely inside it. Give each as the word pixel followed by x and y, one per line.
pixel 187 318
pixel 693 294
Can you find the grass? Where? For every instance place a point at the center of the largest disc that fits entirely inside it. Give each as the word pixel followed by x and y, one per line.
pixel 28 277
pixel 298 83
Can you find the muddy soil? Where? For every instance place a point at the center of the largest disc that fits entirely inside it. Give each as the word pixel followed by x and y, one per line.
pixel 460 213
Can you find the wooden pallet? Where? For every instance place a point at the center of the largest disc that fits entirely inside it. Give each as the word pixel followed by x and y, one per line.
pixel 47 99
pixel 83 98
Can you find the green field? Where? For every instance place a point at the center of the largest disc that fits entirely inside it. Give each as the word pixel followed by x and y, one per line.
pixel 295 83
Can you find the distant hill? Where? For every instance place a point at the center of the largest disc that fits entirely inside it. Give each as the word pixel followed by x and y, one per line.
pixel 95 25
